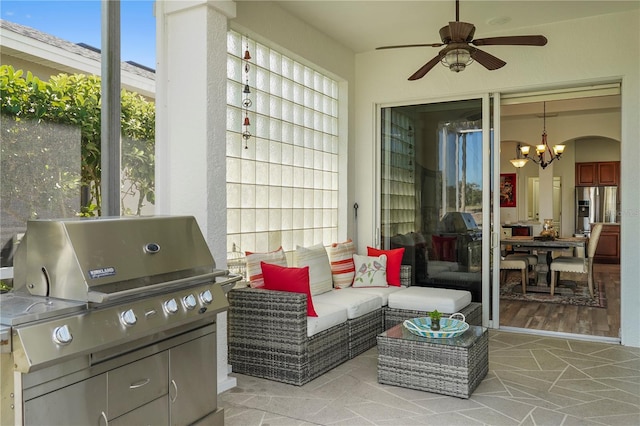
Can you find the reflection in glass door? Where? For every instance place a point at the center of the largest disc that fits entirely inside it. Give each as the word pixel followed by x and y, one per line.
pixel 431 187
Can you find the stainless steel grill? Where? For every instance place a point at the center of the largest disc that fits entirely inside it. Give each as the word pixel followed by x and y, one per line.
pixel 108 322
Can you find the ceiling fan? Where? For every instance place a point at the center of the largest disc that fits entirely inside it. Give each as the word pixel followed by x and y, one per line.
pixel 458 52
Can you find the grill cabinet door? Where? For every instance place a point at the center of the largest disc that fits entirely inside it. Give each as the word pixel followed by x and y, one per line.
pixel 193 377
pixel 83 403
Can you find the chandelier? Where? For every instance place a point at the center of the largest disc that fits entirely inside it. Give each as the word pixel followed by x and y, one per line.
pixel 544 153
pixel 519 161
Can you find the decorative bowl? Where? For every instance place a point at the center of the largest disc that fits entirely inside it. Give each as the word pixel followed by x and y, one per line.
pixel 449 327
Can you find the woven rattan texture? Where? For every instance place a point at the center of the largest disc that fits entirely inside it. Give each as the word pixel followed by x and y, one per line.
pixel 472 313
pixel 432 367
pixel 363 332
pixel 267 337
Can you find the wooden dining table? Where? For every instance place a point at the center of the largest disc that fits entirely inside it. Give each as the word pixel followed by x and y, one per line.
pixel 544 248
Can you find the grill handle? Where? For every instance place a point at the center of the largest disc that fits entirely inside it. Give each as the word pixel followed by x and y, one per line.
pixel 100 297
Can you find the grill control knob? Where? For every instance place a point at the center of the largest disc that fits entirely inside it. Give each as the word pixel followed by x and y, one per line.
pixel 62 335
pixel 171 306
pixel 206 297
pixel 128 317
pixel 189 301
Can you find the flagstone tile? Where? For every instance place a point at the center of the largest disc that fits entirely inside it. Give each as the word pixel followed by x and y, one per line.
pixel 585 347
pixel 490 386
pixel 633 364
pixel 448 419
pixel 489 417
pixel 616 353
pixel 623 384
pixel 583 385
pixel 525 353
pixel 512 408
pixel 548 360
pixel 374 412
pixel 579 421
pixel 556 399
pixel 446 404
pixel 515 340
pixel 572 373
pixel 542 416
pixel 532 380
pixel 594 409
pixel 618 395
pixel 619 420
pixel 576 395
pixel 554 343
pixel 529 382
pixel 547 376
pixel 519 362
pixel 609 371
pixel 570 355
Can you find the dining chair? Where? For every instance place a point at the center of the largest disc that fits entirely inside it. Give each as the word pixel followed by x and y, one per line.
pixel 515 263
pixel 580 265
pixel 532 259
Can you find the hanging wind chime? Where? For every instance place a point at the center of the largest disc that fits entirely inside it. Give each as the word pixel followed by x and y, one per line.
pixel 246 102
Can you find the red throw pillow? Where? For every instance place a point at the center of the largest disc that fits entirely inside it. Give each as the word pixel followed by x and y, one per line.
pixel 295 280
pixel 394 260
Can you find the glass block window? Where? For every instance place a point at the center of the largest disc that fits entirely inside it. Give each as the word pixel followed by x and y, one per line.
pixel 398 195
pixel 282 189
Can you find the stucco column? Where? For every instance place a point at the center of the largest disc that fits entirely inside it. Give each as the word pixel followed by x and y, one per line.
pixel 191 104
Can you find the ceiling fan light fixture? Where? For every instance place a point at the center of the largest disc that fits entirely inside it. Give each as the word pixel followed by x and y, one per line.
pixel 457 59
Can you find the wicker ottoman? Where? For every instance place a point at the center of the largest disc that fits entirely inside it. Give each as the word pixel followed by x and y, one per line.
pixel 453 366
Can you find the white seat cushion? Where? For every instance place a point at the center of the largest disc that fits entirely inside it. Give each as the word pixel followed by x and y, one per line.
pixel 328 316
pixel 382 292
pixel 514 263
pixel 429 299
pixel 437 266
pixel 532 258
pixel 570 264
pixel 356 303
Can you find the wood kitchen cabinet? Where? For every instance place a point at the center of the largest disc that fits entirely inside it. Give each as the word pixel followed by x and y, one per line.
pixel 605 173
pixel 608 250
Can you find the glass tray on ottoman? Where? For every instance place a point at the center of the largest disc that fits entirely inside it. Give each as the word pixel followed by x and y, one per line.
pixel 449 327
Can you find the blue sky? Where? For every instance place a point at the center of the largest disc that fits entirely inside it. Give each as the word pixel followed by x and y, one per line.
pixel 79 22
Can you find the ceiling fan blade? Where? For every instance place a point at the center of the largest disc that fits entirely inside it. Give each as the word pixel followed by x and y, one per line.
pixel 525 40
pixel 410 45
pixel 487 60
pixel 461 32
pixel 426 67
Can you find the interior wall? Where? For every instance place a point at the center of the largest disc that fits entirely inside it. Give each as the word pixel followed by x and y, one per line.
pixel 575 55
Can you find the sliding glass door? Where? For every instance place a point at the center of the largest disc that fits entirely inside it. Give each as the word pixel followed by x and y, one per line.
pixel 435 168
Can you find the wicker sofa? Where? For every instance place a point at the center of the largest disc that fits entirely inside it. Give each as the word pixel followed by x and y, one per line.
pixel 268 335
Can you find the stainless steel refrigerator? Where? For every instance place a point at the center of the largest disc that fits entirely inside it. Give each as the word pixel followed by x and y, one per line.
pixel 595 204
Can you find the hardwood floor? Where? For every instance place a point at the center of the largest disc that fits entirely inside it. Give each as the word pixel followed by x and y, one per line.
pixel 603 322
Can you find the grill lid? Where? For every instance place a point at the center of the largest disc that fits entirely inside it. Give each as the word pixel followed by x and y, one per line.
pixel 96 260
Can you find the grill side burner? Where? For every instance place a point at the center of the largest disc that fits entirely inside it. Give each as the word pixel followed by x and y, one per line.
pixel 112 320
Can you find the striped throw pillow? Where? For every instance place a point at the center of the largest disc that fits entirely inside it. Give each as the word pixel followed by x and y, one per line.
pixel 254 271
pixel 342 266
pixel 315 257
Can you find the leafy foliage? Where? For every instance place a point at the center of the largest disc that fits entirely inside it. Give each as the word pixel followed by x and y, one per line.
pixel 75 100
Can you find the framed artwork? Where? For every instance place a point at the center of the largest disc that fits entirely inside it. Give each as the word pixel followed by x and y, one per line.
pixel 507 189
